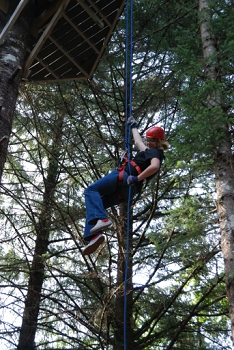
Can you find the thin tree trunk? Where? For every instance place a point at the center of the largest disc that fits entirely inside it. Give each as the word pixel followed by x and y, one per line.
pixel 122 295
pixel 224 161
pixel 33 298
pixel 12 57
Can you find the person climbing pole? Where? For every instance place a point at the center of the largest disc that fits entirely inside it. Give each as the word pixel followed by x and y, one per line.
pixel 112 189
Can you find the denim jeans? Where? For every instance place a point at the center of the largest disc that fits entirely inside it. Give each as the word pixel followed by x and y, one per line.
pixel 101 195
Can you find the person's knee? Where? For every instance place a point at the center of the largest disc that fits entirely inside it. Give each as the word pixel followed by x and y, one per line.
pixel 86 191
pixel 89 189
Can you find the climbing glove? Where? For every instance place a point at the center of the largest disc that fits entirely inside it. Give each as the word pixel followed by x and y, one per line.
pixel 132 180
pixel 132 122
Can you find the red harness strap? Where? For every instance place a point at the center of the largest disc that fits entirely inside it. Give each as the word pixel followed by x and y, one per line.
pixel 121 170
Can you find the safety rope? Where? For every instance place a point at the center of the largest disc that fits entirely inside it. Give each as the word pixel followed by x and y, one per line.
pixel 128 113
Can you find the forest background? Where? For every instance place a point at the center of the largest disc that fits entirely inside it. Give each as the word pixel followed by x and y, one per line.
pixel 67 135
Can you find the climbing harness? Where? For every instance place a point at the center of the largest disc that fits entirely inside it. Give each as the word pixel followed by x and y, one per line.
pixel 124 166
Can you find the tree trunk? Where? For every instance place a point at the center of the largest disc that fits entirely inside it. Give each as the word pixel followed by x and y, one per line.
pixel 12 57
pixel 33 298
pixel 223 158
pixel 122 295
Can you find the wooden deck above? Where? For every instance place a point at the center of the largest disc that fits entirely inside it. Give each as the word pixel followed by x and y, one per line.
pixel 68 37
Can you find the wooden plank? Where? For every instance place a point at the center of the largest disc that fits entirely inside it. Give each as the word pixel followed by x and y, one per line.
pixel 80 33
pixel 46 33
pixel 99 12
pixel 118 13
pixel 69 57
pixel 91 13
pixel 12 20
pixel 46 68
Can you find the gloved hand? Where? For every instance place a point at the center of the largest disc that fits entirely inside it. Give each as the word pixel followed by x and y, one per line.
pixel 132 180
pixel 132 122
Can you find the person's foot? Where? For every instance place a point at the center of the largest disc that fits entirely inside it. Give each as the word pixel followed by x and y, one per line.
pixel 93 244
pixel 101 225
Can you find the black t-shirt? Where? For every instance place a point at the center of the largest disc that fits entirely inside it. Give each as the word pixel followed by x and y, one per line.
pixel 143 160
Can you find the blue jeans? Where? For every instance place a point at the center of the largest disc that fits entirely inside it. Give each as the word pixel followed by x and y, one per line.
pixel 101 195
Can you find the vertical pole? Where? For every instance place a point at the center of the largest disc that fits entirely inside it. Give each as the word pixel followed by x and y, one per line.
pixel 128 113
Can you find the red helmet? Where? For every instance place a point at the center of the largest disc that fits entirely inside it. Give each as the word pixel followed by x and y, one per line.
pixel 155 132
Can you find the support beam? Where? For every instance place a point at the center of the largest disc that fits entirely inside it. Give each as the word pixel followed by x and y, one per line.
pixel 79 32
pixel 45 34
pixel 65 53
pixel 99 12
pixel 46 68
pixel 91 13
pixel 12 20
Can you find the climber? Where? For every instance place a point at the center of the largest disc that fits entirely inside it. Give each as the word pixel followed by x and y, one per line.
pixel 112 189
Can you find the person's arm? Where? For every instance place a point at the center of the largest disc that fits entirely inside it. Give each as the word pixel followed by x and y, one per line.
pixel 135 133
pixel 138 140
pixel 150 170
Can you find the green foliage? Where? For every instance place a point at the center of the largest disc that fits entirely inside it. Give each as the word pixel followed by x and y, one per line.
pixel 186 216
pixel 66 136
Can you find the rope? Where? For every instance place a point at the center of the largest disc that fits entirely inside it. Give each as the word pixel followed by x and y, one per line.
pixel 128 113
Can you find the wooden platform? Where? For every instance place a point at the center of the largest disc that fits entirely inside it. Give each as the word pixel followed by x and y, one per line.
pixel 69 37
